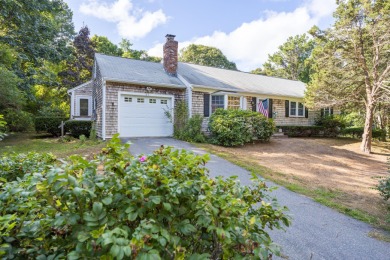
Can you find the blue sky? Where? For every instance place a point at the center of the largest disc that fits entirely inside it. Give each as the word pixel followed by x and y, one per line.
pixel 246 31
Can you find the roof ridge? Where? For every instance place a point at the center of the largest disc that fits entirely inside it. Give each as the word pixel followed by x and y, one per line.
pixel 102 54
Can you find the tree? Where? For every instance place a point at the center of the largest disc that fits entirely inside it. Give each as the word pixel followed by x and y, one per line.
pixel 258 71
pixel 290 61
pixel 352 61
pixel 127 52
pixel 79 68
pixel 103 45
pixel 206 55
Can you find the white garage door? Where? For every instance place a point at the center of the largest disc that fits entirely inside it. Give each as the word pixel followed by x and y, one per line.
pixel 144 116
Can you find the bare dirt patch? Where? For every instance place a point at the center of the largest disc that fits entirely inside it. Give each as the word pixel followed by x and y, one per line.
pixel 335 165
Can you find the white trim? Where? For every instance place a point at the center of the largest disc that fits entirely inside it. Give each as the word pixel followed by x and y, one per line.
pixel 72 104
pixel 120 93
pixel 77 104
pixel 79 86
pixel 145 83
pixel 296 109
pixel 104 110
pixel 189 98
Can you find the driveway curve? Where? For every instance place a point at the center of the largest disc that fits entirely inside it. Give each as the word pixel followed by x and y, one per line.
pixel 317 232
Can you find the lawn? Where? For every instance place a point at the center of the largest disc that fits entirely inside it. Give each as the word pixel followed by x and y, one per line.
pixel 331 171
pixel 29 142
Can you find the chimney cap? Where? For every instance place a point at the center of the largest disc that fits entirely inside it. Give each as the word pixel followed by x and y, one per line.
pixel 170 36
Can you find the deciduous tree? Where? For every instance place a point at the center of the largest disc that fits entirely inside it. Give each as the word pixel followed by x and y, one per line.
pixel 206 55
pixel 352 61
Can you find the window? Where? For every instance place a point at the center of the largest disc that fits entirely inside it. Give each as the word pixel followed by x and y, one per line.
pixel 233 102
pixel 327 111
pixel 84 106
pixel 297 109
pixel 128 99
pixel 164 101
pixel 152 100
pixel 140 100
pixel 217 102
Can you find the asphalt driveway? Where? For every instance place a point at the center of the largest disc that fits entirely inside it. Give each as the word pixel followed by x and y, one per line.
pixel 317 232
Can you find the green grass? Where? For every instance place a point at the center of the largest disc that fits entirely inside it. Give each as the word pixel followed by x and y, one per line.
pixel 329 198
pixel 27 142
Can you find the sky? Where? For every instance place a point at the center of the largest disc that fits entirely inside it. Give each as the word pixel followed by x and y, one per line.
pixel 246 31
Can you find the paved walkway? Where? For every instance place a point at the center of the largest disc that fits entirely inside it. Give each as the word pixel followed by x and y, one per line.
pixel 317 232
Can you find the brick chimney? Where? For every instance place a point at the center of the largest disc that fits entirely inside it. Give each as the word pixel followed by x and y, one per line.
pixel 170 55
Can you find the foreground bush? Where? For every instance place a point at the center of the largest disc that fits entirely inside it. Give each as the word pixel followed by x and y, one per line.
pixel 78 127
pixel 163 206
pixel 237 127
pixel 2 127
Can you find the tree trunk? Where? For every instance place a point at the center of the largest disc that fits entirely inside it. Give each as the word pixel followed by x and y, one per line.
pixel 365 146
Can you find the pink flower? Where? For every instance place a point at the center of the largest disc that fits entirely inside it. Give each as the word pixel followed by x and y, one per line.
pixel 143 158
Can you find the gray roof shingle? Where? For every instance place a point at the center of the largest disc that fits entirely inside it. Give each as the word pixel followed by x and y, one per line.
pixel 130 70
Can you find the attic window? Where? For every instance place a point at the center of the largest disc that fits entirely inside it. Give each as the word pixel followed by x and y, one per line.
pixel 140 100
pixel 164 101
pixel 128 99
pixel 152 101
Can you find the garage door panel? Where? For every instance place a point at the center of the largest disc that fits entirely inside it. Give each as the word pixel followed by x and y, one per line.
pixel 144 119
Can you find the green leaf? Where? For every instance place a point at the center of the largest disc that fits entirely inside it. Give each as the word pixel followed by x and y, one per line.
pixel 83 236
pixel 167 206
pixel 114 251
pixel 107 201
pixel 156 199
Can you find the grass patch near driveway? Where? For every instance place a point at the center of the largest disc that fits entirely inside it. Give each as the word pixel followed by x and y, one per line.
pixel 30 142
pixel 330 171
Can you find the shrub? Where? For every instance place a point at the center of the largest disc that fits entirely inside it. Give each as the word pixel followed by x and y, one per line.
pixel 13 166
pixel 2 127
pixel 384 185
pixel 18 120
pixel 51 112
pixel 332 125
pixel 161 206
pixel 49 124
pixel 304 131
pixel 192 130
pixel 237 127
pixel 357 132
pixel 78 127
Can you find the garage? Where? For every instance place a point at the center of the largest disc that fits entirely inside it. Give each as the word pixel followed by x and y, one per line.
pixel 142 116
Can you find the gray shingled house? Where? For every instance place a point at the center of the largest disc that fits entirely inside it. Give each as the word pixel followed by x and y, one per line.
pixel 130 97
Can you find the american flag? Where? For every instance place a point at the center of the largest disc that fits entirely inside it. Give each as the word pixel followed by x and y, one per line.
pixel 263 107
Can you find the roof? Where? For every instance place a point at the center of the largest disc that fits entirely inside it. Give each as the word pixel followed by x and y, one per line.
pixel 80 86
pixel 130 70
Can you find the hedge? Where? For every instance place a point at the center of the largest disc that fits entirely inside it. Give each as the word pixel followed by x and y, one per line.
pixel 357 132
pixel 303 131
pixel 237 127
pixel 49 124
pixel 116 206
pixel 78 127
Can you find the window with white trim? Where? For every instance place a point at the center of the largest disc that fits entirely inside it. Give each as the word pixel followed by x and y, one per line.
pixel 164 101
pixel 83 106
pixel 140 100
pixel 297 109
pixel 128 99
pixel 327 111
pixel 234 102
pixel 217 102
pixel 152 101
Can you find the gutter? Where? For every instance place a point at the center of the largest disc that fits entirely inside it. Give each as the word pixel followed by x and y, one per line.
pixel 145 83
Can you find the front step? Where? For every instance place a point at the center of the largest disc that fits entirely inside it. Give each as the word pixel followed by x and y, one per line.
pixel 279 135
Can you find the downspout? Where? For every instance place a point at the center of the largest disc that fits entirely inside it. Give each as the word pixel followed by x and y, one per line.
pixel 189 94
pixel 71 104
pixel 104 111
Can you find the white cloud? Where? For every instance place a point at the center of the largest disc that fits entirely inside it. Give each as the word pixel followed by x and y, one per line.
pixel 249 45
pixel 131 23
